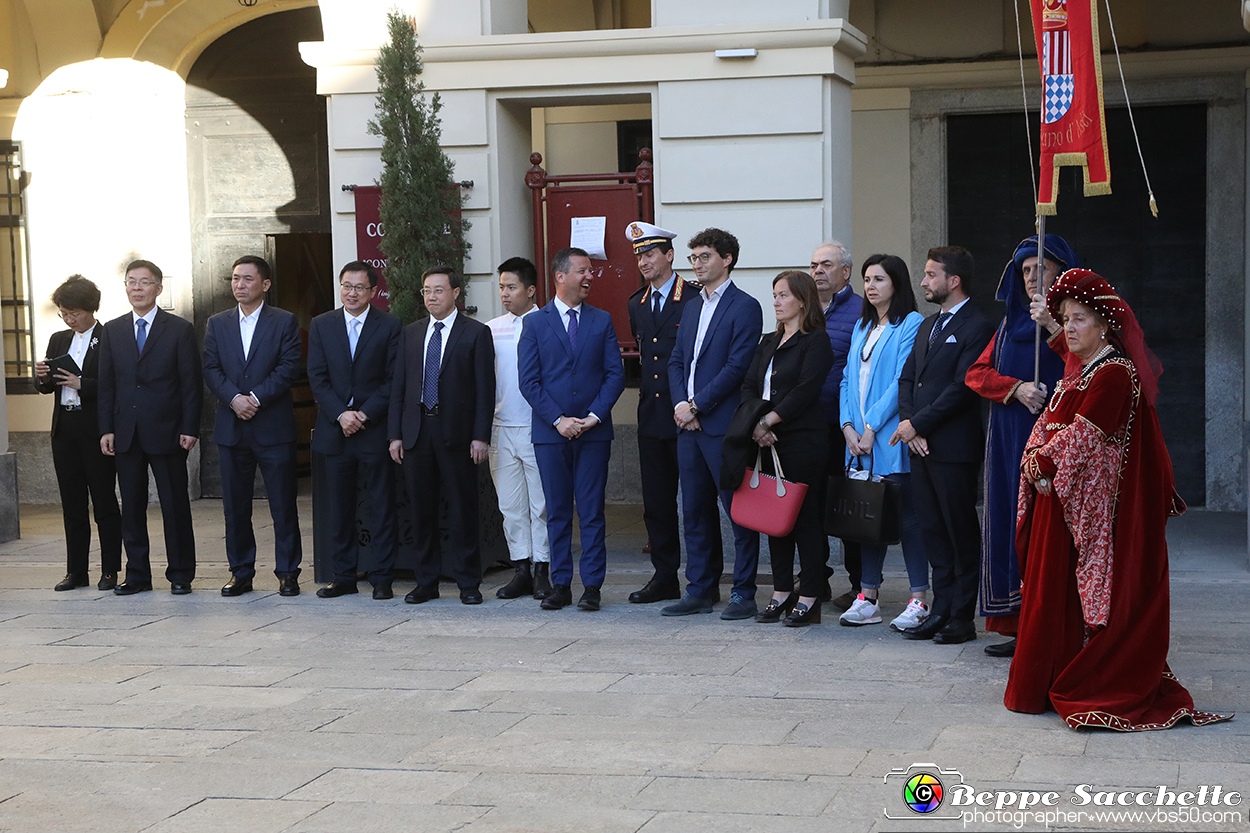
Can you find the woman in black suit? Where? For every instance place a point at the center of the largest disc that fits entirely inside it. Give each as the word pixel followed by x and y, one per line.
pixel 783 385
pixel 81 468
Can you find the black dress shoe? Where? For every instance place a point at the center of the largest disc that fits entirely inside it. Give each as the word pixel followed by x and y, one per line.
pixel 237 586
pixel 522 583
pixel 288 586
pixel 802 616
pixel 561 595
pixel 589 600
pixel 180 588
pixel 926 629
pixel 956 632
pixel 71 582
pixel 542 579
pixel 129 588
pixel 776 610
pixel 656 590
pixel 382 592
pixel 421 594
pixel 338 588
pixel 107 581
pixel 1002 649
pixel 470 596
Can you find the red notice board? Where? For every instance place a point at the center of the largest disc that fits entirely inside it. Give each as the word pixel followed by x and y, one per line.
pixel 615 278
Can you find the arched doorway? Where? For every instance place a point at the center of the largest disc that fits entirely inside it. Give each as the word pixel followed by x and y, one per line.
pixel 257 157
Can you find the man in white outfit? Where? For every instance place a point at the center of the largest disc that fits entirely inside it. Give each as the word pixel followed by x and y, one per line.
pixel 512 463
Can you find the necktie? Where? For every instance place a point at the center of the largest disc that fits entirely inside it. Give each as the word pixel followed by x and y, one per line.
pixel 573 329
pixel 433 358
pixel 141 337
pixel 353 335
pixel 655 302
pixel 937 328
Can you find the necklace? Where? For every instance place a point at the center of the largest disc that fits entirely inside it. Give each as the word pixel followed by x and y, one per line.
pixel 1098 357
pixel 871 347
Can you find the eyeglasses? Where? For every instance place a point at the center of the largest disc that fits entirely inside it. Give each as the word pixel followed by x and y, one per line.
pixel 70 314
pixel 355 287
pixel 435 292
pixel 701 257
pixel 135 283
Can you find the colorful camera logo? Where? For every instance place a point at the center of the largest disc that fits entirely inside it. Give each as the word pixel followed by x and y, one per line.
pixel 923 793
pixel 923 787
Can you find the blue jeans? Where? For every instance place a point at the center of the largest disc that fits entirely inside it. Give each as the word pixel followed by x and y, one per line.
pixel 914 555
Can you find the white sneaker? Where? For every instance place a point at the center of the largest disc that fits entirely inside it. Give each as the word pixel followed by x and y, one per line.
pixel 916 612
pixel 863 611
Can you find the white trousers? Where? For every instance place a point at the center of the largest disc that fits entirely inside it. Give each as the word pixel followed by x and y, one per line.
pixel 520 490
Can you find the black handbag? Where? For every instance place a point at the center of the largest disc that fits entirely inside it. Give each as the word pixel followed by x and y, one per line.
pixel 864 509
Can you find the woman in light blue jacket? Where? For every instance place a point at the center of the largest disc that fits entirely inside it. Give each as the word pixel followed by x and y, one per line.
pixel 880 345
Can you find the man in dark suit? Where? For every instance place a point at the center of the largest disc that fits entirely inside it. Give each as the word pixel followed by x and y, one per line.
pixel 569 365
pixel 941 424
pixel 442 402
pixel 151 392
pixel 654 313
pixel 251 358
pixel 351 355
pixel 80 466
pixel 716 342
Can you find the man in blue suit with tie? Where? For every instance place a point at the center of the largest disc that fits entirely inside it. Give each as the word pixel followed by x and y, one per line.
pixel 251 358
pixel 716 342
pixel 351 357
pixel 569 364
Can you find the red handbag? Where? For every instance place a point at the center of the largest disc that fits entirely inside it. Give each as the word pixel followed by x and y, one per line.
pixel 770 508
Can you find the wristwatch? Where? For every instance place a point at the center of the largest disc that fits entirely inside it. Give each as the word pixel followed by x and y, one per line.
pixel 694 409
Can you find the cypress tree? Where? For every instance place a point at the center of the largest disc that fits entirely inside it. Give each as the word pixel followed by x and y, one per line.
pixel 420 203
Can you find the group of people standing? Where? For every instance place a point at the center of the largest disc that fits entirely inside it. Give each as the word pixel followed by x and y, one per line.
pixel 1068 554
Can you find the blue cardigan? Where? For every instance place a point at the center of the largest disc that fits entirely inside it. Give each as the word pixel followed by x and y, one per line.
pixel 881 403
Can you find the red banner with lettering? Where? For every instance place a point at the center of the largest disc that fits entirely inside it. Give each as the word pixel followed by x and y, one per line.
pixel 1074 128
pixel 369 238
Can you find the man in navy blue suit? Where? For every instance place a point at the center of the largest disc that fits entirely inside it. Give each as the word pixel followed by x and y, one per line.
pixel 716 342
pixel 251 358
pixel 569 364
pixel 150 395
pixel 351 355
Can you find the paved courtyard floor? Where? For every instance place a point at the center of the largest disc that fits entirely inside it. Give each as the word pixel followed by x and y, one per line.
pixel 197 713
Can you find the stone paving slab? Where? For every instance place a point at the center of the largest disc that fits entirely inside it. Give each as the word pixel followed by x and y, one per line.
pixel 263 713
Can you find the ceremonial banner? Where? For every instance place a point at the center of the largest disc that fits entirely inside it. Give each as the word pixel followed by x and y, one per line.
pixel 1074 128
pixel 369 238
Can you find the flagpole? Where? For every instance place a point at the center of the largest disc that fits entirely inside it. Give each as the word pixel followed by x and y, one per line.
pixel 1041 282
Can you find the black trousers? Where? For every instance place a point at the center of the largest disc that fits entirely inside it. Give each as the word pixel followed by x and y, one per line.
pixel 659 472
pixel 945 496
pixel 238 479
pixel 170 472
pixel 432 471
pixel 851 558
pixel 808 536
pixel 82 470
pixel 347 472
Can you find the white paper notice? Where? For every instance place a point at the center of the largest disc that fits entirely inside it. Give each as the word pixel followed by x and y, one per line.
pixel 588 233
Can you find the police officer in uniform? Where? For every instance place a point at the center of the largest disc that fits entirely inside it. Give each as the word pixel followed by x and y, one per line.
pixel 654 312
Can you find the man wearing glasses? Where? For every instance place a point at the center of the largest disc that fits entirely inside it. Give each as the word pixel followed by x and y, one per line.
pixel 442 404
pixel 351 353
pixel 149 406
pixel 716 342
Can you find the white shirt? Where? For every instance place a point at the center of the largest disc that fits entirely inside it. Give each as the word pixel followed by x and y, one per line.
pixel 429 334
pixel 710 302
pixel 563 309
pixel 247 328
pixel 663 290
pixel 865 368
pixel 768 382
pixel 511 409
pixel 150 317
pixel 78 352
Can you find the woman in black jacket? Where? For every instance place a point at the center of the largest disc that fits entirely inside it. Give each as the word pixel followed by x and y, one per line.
pixel 783 389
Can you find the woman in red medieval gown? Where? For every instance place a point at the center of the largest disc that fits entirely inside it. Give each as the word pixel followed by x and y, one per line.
pixel 1095 495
